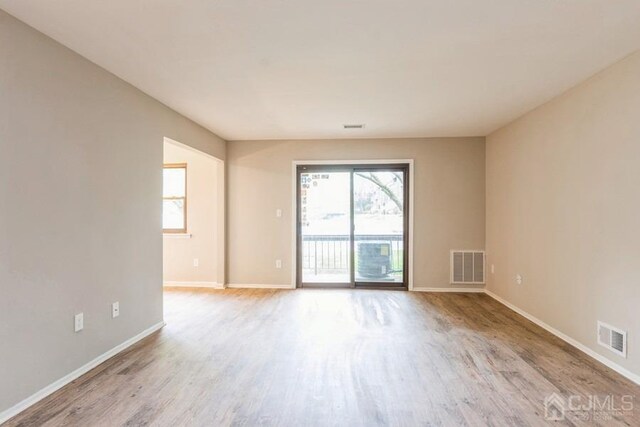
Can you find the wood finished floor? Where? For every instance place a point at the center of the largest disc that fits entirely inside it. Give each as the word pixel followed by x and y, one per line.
pixel 333 357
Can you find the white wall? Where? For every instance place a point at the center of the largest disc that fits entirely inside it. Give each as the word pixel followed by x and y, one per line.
pixel 448 201
pixel 202 222
pixel 80 208
pixel 563 205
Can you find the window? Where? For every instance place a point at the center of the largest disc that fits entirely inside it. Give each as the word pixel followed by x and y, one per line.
pixel 174 198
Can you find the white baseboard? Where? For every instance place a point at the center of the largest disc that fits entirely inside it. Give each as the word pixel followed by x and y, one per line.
pixel 451 289
pixel 257 286
pixel 213 285
pixel 588 351
pixel 41 394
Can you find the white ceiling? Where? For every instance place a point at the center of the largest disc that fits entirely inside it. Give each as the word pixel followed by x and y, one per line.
pixel 270 69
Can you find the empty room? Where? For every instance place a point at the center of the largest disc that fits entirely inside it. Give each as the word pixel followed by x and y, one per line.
pixel 319 213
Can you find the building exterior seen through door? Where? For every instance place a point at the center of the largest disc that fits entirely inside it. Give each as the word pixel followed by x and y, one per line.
pixel 352 226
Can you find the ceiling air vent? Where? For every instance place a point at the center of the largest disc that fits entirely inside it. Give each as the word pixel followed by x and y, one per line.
pixel 467 267
pixel 612 338
pixel 353 126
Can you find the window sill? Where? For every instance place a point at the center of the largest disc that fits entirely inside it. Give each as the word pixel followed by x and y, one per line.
pixel 178 235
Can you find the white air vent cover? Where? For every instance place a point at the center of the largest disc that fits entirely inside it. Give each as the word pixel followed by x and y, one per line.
pixel 467 267
pixel 612 338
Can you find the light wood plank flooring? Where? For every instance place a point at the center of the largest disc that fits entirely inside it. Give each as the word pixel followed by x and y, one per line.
pixel 334 358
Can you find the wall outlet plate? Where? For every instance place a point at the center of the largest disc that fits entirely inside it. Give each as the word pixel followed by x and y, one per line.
pixel 519 279
pixel 115 309
pixel 78 322
pixel 278 263
pixel 196 262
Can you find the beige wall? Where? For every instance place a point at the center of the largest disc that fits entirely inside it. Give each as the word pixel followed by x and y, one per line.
pixel 80 208
pixel 202 211
pixel 563 209
pixel 449 201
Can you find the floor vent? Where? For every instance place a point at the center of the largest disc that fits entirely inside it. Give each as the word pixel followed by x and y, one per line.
pixel 467 267
pixel 612 338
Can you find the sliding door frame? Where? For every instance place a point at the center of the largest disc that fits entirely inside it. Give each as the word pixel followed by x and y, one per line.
pixel 352 166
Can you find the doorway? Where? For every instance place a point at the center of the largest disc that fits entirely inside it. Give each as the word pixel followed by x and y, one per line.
pixel 192 217
pixel 352 226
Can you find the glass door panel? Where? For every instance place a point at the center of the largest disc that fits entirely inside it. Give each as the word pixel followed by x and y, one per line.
pixel 379 226
pixel 325 227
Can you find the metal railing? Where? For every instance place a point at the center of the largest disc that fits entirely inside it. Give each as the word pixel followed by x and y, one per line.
pixel 328 254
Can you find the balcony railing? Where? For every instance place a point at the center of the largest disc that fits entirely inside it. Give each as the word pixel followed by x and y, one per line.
pixel 329 254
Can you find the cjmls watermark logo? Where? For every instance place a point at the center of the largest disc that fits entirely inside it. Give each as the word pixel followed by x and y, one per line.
pixel 586 407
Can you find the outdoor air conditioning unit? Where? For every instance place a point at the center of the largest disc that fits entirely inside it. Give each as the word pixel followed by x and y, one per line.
pixel 374 259
pixel 467 267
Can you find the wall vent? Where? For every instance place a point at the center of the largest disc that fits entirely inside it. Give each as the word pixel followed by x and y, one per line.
pixel 467 267
pixel 353 126
pixel 612 338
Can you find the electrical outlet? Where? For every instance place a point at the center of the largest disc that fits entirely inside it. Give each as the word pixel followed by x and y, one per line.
pixel 519 279
pixel 493 269
pixel 78 322
pixel 196 262
pixel 115 309
pixel 278 213
pixel 278 263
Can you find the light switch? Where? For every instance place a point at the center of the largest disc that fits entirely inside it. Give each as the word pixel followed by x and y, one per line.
pixel 78 322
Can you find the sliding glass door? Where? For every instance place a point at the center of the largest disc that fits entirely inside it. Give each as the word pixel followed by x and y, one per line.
pixel 324 227
pixel 352 226
pixel 378 225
